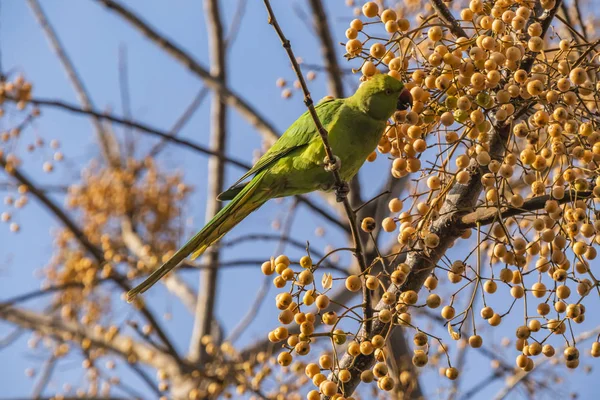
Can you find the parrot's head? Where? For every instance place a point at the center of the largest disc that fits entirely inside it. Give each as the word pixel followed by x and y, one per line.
pixel 381 96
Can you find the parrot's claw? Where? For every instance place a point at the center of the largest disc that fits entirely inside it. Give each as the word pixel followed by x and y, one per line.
pixel 332 166
pixel 341 191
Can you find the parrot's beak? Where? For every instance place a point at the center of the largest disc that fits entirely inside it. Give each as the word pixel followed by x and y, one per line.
pixel 405 100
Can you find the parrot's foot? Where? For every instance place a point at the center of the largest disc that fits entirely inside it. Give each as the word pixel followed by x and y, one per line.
pixel 332 165
pixel 341 191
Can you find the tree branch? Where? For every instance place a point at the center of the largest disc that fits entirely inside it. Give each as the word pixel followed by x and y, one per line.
pixel 489 215
pixel 446 16
pixel 180 123
pixel 207 294
pixel 304 199
pixel 119 344
pixel 47 371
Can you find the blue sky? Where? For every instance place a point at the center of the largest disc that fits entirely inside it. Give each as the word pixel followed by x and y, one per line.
pixel 160 90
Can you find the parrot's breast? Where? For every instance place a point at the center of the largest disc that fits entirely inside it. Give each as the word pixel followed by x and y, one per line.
pixel 352 136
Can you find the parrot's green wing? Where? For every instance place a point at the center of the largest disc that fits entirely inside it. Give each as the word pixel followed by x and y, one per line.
pixel 299 134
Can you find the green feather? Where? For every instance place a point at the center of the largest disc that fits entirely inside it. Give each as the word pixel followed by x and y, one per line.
pixel 298 135
pixel 248 200
pixel 294 164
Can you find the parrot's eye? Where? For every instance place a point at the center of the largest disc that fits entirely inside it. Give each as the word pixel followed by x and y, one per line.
pixel 388 91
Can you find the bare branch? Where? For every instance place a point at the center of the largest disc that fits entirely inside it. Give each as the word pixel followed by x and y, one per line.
pixel 330 218
pixel 42 292
pixel 11 337
pixel 582 25
pixel 121 345
pixel 47 371
pixel 207 294
pixel 125 97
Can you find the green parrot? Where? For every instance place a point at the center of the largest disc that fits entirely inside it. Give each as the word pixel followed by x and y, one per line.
pixel 295 163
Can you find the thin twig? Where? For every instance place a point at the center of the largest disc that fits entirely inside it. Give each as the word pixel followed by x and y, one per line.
pixel 45 376
pixel 304 199
pixel 125 98
pixel 582 25
pixel 42 292
pixel 268 237
pixel 12 337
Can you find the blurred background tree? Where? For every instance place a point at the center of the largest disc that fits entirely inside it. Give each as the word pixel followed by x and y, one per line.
pixel 116 139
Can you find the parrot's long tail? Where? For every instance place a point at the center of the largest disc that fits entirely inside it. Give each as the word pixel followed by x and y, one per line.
pixel 248 200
